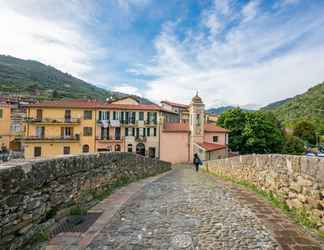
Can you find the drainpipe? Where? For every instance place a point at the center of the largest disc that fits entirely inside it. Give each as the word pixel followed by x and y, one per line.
pixel 95 132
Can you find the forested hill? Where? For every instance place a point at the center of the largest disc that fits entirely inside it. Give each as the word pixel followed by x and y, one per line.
pixel 34 78
pixel 308 106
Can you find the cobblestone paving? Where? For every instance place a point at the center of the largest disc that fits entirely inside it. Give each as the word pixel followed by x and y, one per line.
pixel 184 210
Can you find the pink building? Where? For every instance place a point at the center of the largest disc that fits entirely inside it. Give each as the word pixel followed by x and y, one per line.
pixel 180 141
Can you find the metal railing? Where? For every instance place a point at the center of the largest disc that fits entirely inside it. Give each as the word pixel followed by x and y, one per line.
pixel 75 137
pixel 53 120
pixel 110 138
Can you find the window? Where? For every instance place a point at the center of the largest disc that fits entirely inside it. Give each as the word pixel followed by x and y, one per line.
pixel 87 115
pixel 87 131
pixel 66 150
pixel 126 131
pixel 39 114
pixel 130 148
pixel 104 115
pixel 85 148
pixel 154 131
pixel 151 152
pixel 117 148
pixel 104 133
pixel 133 132
pixel 137 132
pixel 215 138
pixel 151 117
pixel 67 115
pixel 40 132
pixel 148 132
pixel 37 151
pixel 1 113
pixel 66 132
pixel 141 116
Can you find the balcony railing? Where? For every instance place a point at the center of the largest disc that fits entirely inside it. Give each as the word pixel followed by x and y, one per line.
pixel 140 138
pixel 53 120
pixel 110 138
pixel 130 122
pixel 75 137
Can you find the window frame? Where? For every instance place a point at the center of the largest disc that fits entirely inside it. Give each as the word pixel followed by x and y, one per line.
pixel 39 153
pixel 215 136
pixel 86 117
pixel 68 150
pixel 85 132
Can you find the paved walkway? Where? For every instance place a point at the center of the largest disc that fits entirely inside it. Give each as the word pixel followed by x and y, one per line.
pixel 186 210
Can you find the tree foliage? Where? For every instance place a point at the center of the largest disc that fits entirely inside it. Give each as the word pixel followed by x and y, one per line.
pixel 293 145
pixel 305 131
pixel 252 132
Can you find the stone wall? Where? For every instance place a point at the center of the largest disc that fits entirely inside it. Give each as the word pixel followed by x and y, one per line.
pixel 298 180
pixel 32 192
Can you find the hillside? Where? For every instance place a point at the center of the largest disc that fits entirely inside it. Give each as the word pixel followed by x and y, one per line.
pixel 34 78
pixel 222 109
pixel 308 106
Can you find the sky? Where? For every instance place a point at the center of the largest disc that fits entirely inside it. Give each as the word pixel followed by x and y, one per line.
pixel 234 52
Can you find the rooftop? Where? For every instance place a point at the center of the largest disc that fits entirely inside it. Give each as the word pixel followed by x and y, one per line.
pixel 211 146
pixel 93 104
pixel 184 127
pixel 178 105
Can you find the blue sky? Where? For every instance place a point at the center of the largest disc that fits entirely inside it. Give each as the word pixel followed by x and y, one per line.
pixel 235 52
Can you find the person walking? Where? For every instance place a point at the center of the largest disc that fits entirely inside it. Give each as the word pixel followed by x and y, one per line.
pixel 197 162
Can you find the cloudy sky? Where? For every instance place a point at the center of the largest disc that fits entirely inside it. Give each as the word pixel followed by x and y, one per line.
pixel 235 52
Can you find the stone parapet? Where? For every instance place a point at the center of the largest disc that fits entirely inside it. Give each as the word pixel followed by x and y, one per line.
pixel 32 191
pixel 297 180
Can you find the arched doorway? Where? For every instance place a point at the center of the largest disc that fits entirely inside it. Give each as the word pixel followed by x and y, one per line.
pixel 140 149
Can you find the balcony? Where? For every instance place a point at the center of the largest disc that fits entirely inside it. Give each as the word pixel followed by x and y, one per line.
pixel 72 138
pixel 110 138
pixel 151 123
pixel 53 120
pixel 140 138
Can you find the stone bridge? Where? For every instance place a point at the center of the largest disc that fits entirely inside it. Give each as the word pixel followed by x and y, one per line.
pixel 177 209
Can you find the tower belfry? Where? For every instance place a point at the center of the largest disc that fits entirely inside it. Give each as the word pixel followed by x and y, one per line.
pixel 196 121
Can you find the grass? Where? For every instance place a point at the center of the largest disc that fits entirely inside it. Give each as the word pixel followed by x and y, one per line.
pixel 300 216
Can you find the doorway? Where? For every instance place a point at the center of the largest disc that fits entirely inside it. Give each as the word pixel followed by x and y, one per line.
pixel 140 149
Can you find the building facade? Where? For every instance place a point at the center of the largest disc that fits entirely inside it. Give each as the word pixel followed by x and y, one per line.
pixel 81 126
pixel 180 141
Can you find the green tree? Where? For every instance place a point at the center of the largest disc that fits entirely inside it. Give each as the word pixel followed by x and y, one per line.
pixel 252 132
pixel 293 145
pixel 234 120
pixel 305 131
pixel 262 134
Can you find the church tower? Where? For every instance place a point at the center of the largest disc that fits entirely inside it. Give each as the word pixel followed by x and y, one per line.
pixel 196 122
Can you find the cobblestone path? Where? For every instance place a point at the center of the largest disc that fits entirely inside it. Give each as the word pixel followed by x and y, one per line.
pixel 185 210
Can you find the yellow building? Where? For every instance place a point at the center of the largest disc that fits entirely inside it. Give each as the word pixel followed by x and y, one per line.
pixel 81 126
pixel 5 125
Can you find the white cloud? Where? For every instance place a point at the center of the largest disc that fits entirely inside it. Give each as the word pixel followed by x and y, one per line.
pixel 127 89
pixel 250 10
pixel 242 67
pixel 51 32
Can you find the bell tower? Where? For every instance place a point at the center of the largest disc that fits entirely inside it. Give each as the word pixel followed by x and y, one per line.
pixel 196 122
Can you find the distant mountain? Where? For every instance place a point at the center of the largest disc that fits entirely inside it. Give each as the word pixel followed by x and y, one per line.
pixel 32 78
pixel 276 104
pixel 308 106
pixel 222 109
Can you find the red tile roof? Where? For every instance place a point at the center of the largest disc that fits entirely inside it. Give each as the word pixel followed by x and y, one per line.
pixel 179 105
pixel 169 127
pixel 93 104
pixel 211 146
pixel 213 128
pixel 176 127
